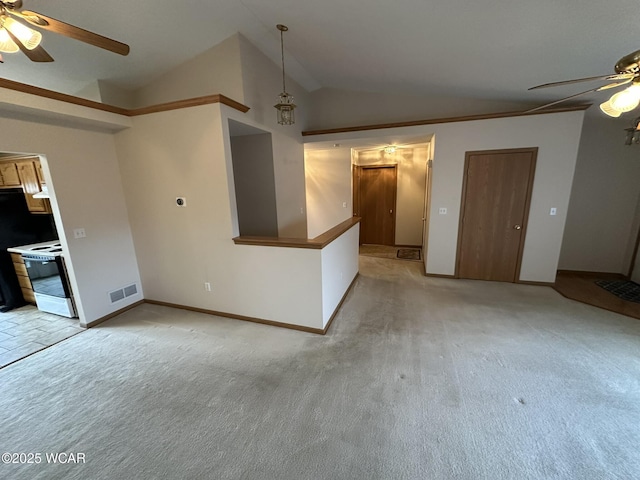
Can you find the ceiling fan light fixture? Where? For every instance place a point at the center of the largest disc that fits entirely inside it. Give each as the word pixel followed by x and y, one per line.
pixel 389 149
pixel 626 100
pixel 6 44
pixel 29 37
pixel 607 108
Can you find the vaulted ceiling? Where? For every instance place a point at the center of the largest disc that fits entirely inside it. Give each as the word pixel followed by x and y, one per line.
pixel 490 49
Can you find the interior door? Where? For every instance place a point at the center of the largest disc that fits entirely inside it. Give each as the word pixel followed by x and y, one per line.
pixel 376 204
pixel 495 207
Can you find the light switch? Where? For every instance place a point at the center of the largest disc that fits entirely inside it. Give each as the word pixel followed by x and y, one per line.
pixel 442 211
pixel 344 204
pixel 552 211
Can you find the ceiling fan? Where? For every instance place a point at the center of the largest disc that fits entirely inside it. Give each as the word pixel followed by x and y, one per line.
pixel 16 35
pixel 627 72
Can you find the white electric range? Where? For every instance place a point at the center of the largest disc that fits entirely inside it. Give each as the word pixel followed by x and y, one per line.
pixel 45 266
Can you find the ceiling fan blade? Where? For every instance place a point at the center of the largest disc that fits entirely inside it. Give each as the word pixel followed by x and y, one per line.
pixel 614 84
pixel 615 76
pixel 604 87
pixel 37 54
pixel 77 33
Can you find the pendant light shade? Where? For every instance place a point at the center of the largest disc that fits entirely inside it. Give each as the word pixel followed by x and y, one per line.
pixel 285 105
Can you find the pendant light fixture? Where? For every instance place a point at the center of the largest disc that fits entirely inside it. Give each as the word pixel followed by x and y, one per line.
pixel 285 105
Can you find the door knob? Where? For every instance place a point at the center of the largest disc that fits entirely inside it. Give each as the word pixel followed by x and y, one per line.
pixel 517 227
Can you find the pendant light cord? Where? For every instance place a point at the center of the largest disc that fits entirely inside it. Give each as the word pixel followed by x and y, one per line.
pixel 284 89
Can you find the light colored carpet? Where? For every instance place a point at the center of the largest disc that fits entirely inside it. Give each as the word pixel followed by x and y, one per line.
pixel 418 378
pixel 380 251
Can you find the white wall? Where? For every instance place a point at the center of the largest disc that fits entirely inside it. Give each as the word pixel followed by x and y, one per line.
pixel 328 187
pixel 339 268
pixel 91 91
pixel 262 82
pixel 556 135
pixel 114 95
pixel 254 185
pixel 217 70
pixel 187 152
pixel 601 226
pixel 335 108
pixel 83 174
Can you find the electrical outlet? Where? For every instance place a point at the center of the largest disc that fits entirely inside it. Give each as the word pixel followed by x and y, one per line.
pixel 442 211
pixel 79 233
pixel 207 286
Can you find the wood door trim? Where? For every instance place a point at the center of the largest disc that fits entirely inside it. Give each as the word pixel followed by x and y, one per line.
pixel 634 256
pixel 527 205
pixel 356 190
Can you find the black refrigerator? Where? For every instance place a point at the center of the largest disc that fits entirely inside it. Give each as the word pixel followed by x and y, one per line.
pixel 18 227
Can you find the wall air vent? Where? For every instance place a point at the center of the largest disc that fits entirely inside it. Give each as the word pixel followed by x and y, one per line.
pixel 122 293
pixel 130 290
pixel 116 295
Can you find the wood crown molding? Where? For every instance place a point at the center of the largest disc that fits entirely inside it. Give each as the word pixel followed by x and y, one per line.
pixel 433 121
pixel 317 243
pixel 63 97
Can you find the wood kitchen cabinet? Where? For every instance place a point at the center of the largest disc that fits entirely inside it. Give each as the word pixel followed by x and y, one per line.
pixel 39 172
pixel 28 172
pixel 9 175
pixel 23 278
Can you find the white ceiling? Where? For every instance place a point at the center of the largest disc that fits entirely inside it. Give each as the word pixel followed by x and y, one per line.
pixel 491 49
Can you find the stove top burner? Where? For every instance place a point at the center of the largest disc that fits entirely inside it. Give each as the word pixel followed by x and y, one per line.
pixel 47 249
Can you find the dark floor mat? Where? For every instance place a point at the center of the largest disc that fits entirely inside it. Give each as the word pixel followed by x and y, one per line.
pixel 409 253
pixel 623 289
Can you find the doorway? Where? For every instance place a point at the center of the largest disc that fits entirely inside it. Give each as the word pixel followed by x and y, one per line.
pixel 374 201
pixel 496 195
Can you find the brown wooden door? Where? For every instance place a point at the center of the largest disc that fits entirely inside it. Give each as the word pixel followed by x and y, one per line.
pixel 377 204
pixel 495 207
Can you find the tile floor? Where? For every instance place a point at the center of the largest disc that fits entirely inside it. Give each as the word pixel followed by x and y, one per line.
pixel 26 330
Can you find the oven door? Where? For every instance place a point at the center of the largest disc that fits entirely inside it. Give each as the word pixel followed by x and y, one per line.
pixel 46 275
